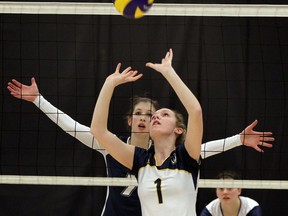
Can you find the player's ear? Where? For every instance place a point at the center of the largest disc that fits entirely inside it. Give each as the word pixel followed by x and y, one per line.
pixel 239 191
pixel 178 130
pixel 129 121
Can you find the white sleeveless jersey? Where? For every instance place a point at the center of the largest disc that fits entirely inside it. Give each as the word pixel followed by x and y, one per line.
pixel 249 207
pixel 169 189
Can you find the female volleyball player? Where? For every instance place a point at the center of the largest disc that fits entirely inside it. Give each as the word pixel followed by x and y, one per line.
pixel 230 201
pixel 168 173
pixel 124 200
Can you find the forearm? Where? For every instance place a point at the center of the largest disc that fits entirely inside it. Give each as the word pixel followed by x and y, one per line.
pixel 218 146
pixel 184 94
pixel 119 150
pixel 101 111
pixel 194 123
pixel 66 123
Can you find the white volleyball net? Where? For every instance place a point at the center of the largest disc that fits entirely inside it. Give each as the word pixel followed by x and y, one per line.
pixel 67 46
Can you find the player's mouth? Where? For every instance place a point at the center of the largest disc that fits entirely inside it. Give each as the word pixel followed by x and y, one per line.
pixel 156 122
pixel 142 126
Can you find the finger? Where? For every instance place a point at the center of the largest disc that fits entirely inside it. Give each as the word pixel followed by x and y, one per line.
pixel 128 74
pixel 16 95
pixel 127 77
pixel 150 65
pixel 268 145
pixel 262 134
pixel 33 81
pixel 134 78
pixel 167 55
pixel 258 149
pixel 133 73
pixel 12 87
pixel 266 133
pixel 171 53
pixel 267 139
pixel 127 70
pixel 118 67
pixel 253 124
pixel 18 84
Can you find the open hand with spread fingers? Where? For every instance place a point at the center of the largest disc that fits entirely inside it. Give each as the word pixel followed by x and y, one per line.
pixel 24 92
pixel 256 139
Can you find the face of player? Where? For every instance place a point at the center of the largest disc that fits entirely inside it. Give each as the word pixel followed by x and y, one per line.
pixel 228 195
pixel 140 120
pixel 163 121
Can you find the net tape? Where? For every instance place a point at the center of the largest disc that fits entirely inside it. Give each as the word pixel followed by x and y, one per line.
pixel 107 181
pixel 230 10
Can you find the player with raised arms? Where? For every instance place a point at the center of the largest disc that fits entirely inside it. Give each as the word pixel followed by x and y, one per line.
pixel 167 173
pixel 124 200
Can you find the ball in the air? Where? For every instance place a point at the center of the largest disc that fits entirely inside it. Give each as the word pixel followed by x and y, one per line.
pixel 133 9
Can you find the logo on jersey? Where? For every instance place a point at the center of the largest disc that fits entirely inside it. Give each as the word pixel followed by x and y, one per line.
pixel 173 159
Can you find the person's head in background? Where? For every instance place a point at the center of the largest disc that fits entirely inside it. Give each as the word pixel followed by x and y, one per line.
pixel 228 195
pixel 138 118
pixel 229 200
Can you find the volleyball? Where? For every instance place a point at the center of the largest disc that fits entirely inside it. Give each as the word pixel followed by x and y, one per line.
pixel 132 9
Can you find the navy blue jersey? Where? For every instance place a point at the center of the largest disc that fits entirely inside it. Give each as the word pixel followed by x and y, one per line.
pixel 121 201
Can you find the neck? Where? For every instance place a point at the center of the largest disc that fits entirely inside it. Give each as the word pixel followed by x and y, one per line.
pixel 231 209
pixel 140 140
pixel 163 149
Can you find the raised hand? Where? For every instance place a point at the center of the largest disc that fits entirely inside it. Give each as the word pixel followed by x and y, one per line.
pixel 24 92
pixel 255 139
pixel 166 63
pixel 127 75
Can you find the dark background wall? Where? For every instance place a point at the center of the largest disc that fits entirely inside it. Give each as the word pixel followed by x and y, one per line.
pixel 237 67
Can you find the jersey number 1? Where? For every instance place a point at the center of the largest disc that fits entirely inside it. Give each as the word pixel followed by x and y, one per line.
pixel 158 188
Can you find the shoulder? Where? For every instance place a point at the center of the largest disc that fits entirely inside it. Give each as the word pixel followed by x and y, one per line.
pixel 248 201
pixel 214 203
pixel 213 207
pixel 183 154
pixel 250 206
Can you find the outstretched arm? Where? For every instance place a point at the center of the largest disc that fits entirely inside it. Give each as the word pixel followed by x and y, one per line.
pixel 195 123
pixel 247 137
pixel 31 93
pixel 119 150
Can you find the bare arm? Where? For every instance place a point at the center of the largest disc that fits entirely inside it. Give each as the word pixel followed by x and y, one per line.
pixel 119 150
pixel 195 123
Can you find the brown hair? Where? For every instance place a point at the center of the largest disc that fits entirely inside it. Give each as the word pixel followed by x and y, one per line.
pixel 180 122
pixel 228 174
pixel 138 99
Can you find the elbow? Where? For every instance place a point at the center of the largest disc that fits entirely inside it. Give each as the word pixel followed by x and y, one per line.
pixel 94 132
pixel 98 131
pixel 197 111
